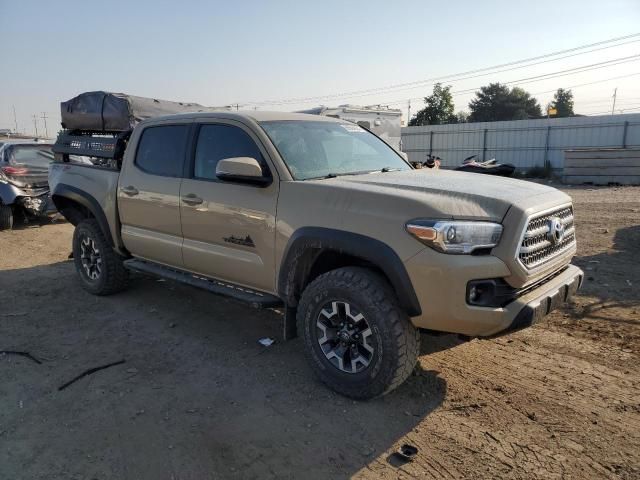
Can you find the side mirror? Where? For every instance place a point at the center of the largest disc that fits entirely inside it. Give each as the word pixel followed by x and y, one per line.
pixel 241 169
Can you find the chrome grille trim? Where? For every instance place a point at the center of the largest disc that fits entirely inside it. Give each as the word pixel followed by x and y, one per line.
pixel 535 249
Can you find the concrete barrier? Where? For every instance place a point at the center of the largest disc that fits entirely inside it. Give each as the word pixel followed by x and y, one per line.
pixel 603 166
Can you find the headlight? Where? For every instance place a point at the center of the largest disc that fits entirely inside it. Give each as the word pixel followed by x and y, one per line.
pixel 455 236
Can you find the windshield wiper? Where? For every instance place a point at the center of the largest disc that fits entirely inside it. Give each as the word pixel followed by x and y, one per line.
pixel 389 169
pixel 322 177
pixel 334 175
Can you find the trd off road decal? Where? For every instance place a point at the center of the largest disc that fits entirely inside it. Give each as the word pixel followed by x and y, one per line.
pixel 246 241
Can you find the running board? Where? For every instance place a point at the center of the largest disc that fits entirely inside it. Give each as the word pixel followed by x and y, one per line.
pixel 252 297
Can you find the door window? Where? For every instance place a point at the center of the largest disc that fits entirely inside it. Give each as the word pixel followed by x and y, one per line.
pixel 161 150
pixel 217 142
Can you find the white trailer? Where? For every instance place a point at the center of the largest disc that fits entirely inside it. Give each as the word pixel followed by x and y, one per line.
pixel 383 121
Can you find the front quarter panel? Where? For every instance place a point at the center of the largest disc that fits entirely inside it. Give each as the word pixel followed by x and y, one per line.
pixel 8 193
pixel 314 204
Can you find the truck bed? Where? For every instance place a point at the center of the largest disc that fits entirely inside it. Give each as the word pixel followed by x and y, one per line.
pixel 98 184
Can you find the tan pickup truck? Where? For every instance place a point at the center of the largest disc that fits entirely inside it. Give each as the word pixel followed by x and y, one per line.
pixel 321 218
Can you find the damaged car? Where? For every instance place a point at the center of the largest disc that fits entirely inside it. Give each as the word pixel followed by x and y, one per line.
pixel 24 187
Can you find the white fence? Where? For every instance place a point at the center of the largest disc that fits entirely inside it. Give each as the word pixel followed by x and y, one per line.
pixel 524 143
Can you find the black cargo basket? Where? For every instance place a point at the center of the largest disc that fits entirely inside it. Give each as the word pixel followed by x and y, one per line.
pixel 90 144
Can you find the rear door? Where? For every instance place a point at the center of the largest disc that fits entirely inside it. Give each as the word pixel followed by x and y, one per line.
pixel 229 228
pixel 149 193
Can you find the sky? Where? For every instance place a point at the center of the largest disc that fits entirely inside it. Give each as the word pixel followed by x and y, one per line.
pixel 252 52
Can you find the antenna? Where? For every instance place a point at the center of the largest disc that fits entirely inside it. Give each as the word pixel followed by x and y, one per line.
pixel 615 93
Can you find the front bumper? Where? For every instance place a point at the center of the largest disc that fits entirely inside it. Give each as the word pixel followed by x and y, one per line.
pixel 440 283
pixel 543 300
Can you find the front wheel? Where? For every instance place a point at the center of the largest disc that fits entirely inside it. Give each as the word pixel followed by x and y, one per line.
pixel 99 268
pixel 357 338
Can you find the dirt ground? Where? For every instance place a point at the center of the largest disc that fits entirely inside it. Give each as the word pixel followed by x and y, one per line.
pixel 199 398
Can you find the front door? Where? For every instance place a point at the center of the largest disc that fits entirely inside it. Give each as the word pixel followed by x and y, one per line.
pixel 228 227
pixel 149 194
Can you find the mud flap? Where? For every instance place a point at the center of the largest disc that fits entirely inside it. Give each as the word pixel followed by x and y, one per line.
pixel 289 330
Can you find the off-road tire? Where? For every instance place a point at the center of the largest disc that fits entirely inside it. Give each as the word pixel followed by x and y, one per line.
pixel 6 217
pixel 395 340
pixel 113 276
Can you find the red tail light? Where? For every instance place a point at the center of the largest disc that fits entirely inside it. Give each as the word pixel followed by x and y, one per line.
pixel 16 171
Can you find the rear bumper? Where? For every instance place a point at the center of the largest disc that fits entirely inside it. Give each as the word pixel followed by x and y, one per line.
pixel 440 284
pixel 37 205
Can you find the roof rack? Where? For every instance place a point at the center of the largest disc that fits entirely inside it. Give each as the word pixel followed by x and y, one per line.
pixel 91 144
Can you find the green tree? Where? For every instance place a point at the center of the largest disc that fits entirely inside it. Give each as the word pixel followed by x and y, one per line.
pixel 438 110
pixel 563 103
pixel 497 102
pixel 462 117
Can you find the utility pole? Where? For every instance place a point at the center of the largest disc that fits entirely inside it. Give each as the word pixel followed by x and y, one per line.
pixel 615 93
pixel 35 124
pixel 44 118
pixel 15 120
pixel 408 112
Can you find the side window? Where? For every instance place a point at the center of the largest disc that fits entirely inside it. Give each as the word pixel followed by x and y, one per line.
pixel 216 142
pixel 161 150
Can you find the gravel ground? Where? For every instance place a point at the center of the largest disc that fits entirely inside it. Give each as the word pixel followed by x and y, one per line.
pixel 199 398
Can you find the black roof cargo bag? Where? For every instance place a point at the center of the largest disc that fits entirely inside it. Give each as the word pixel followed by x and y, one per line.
pixel 117 112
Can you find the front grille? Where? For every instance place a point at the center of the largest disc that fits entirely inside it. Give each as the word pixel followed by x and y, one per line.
pixel 538 247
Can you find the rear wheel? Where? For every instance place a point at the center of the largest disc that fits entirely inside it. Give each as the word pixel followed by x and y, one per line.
pixel 6 217
pixel 357 338
pixel 99 268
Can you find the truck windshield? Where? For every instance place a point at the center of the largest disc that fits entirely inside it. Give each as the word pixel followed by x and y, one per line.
pixel 326 149
pixel 31 155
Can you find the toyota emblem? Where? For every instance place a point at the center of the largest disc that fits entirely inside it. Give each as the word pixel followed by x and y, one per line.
pixel 556 230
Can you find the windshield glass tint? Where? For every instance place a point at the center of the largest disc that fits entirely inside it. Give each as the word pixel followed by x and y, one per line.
pixel 317 149
pixel 32 155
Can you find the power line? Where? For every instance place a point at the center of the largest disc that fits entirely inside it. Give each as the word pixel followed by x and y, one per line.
pixel 570 71
pixel 504 70
pixel 605 100
pixel 591 83
pixel 567 87
pixel 610 113
pixel 623 106
pixel 548 76
pixel 370 91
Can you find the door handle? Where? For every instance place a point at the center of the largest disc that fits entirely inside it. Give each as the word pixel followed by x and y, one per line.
pixel 192 199
pixel 130 190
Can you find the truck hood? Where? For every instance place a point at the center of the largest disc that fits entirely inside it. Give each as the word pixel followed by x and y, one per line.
pixel 447 194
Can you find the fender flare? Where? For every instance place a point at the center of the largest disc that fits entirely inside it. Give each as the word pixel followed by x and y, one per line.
pixel 62 190
pixel 296 262
pixel 8 193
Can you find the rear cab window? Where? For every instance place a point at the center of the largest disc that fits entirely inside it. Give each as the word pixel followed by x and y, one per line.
pixel 161 150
